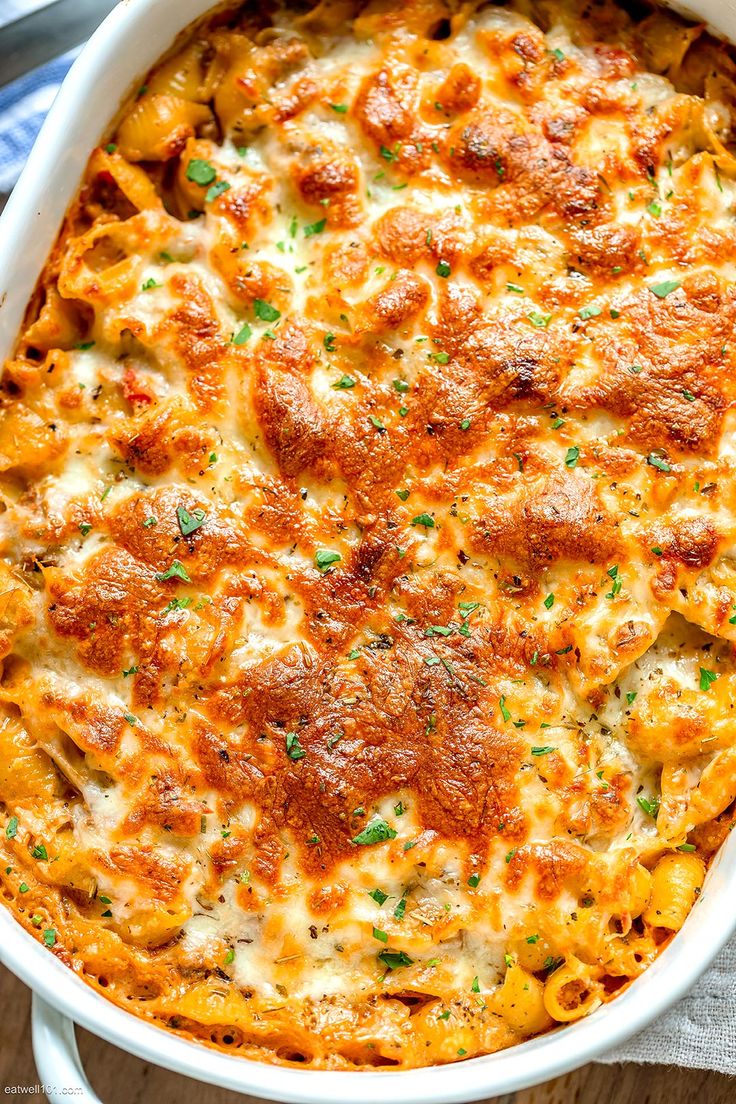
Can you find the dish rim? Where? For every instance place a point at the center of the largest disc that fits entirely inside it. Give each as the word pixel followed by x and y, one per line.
pixel 28 229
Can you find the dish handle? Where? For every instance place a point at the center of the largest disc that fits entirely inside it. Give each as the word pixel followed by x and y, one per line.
pixel 55 1051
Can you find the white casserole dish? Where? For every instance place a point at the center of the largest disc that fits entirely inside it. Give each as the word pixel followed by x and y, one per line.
pixel 132 38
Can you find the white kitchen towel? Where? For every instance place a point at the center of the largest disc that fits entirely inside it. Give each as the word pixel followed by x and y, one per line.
pixel 700 1031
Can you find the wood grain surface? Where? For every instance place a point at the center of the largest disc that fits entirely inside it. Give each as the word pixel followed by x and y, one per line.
pixel 121 1079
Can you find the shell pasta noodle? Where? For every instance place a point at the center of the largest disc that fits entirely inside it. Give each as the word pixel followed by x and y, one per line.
pixel 367 507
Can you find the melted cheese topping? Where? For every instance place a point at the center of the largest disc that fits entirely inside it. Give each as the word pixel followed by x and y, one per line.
pixel 368 525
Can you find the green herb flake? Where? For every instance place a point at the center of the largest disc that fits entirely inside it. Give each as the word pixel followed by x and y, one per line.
pixel 265 311
pixel 658 463
pixel 150 284
pixel 589 312
pixel 543 750
pixel 176 571
pixel 649 806
pixel 376 832
pixel 394 959
pixel 201 172
pixel 315 228
pixel 11 829
pixel 216 190
pixel 39 852
pixel 343 384
pixel 504 711
pixel 244 334
pixel 541 321
pixel 474 881
pixel 665 288
pixel 572 456
pixel 549 601
pixel 426 520
pixel 294 749
pixel 378 896
pixel 443 269
pixel 324 559
pixel 341 109
pixel 707 678
pixel 190 522
pixel 381 935
pixel 49 937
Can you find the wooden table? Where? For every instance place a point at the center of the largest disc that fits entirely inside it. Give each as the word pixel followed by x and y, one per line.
pixel 120 1079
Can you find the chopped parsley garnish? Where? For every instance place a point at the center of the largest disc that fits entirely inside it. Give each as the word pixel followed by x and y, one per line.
pixel 150 522
pixel 376 423
pixel 504 711
pixel 324 559
pixel 394 959
pixel 541 321
pixel 341 109
pixel 665 288
pixel 329 342
pixel 216 190
pixel 474 881
pixel 84 528
pixel 229 957
pixel 658 463
pixel 517 289
pixel 190 522
pixel 439 358
pixel 315 228
pixel 130 671
pixel 40 852
pixel 149 284
pixel 49 937
pixel 381 935
pixel 293 748
pixel 375 832
pixel 423 519
pixel 401 386
pixel 400 909
pixel 707 678
pixel 572 456
pixel 344 384
pixel 650 806
pixel 443 269
pixel 654 208
pixel 265 311
pixel 378 896
pixel 201 172
pixel 244 334
pixel 509 856
pixel 631 697
pixel 176 571
pixel 549 601
pixel 465 424
pixel 543 750
pixel 11 829
pixel 475 987
pixel 589 312
pixel 688 395
pixel 687 847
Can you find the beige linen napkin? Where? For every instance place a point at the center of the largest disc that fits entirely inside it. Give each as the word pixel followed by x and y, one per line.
pixel 699 1031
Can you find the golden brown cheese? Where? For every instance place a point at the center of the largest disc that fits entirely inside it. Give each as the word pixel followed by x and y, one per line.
pixel 368 514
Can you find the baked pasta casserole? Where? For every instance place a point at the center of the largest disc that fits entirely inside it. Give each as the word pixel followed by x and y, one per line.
pixel 368 495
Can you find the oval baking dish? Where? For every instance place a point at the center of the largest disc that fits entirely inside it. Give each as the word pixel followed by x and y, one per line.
pixel 412 317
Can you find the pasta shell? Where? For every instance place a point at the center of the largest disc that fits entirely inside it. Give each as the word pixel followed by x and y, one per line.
pixel 159 126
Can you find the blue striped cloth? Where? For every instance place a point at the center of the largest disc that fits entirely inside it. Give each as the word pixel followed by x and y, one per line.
pixel 23 107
